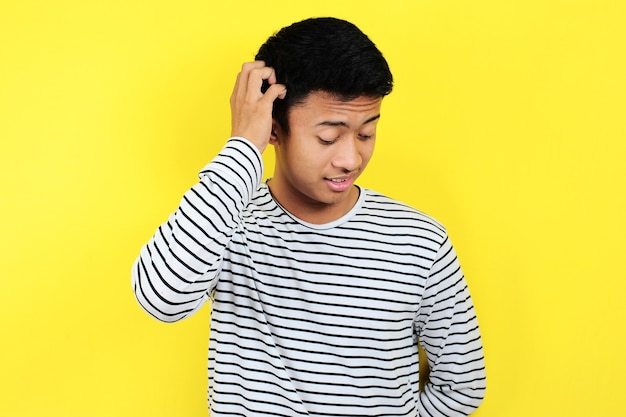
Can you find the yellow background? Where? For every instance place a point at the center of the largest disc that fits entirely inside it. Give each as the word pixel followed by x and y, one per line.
pixel 507 123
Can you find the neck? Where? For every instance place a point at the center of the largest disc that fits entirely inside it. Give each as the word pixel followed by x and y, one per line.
pixel 310 210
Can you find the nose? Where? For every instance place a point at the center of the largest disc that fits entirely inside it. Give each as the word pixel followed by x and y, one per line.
pixel 347 156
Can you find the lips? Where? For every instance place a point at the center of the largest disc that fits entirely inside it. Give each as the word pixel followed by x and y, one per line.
pixel 339 184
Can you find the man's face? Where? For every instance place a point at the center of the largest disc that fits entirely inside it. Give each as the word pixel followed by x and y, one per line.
pixel 328 146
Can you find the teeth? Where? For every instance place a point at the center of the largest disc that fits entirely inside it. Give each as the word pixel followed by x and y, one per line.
pixel 336 180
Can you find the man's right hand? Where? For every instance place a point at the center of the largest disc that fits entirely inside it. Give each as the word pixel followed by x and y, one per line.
pixel 251 110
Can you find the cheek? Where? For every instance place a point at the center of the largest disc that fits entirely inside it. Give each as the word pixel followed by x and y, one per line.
pixel 366 151
pixel 303 159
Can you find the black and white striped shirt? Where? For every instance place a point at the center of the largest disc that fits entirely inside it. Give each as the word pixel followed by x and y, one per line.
pixel 314 320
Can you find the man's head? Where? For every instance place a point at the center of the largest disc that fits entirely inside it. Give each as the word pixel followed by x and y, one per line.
pixel 324 55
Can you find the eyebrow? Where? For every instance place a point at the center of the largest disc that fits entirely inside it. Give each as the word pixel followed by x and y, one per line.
pixel 344 124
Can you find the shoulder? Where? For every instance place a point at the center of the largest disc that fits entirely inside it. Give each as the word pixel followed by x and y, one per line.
pixel 392 213
pixel 263 208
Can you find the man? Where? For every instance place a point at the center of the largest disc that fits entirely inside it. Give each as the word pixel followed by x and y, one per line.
pixel 320 290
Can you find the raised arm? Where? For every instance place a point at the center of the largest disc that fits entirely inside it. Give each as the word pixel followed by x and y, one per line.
pixel 448 331
pixel 180 264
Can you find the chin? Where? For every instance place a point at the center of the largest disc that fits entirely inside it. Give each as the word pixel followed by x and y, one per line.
pixel 337 198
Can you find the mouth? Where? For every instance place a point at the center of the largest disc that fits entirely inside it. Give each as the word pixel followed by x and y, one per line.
pixel 339 184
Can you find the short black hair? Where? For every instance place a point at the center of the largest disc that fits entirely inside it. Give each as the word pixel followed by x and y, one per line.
pixel 327 55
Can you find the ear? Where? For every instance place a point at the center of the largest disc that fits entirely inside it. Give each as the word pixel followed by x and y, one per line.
pixel 276 133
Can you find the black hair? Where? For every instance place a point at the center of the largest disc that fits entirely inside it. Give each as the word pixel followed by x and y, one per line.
pixel 327 55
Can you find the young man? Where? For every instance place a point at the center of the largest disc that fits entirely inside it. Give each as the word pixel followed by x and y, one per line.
pixel 321 290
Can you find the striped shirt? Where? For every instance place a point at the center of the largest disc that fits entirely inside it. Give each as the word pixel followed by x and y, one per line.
pixel 310 319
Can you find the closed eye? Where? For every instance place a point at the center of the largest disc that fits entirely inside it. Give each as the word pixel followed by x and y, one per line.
pixel 327 142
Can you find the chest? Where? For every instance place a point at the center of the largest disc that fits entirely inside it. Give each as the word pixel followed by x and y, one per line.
pixel 360 274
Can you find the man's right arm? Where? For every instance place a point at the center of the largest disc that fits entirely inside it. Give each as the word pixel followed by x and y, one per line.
pixel 178 267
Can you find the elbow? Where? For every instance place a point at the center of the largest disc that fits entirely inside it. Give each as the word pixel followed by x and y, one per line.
pixel 165 309
pixel 159 309
pixel 455 398
pixel 451 401
pixel 474 397
pixel 471 393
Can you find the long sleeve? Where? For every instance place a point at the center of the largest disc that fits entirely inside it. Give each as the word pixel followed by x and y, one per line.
pixel 448 331
pixel 180 264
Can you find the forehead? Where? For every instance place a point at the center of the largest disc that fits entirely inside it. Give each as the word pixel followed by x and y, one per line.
pixel 323 106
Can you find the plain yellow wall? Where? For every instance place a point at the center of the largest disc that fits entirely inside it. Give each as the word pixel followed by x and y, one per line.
pixel 507 123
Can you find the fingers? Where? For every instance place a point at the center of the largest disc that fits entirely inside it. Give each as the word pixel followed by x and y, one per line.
pixel 255 73
pixel 250 81
pixel 255 81
pixel 275 91
pixel 251 109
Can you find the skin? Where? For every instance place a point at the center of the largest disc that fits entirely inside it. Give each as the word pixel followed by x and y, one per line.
pixel 329 144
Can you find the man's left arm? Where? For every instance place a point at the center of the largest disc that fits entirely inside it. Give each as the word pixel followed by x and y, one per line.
pixel 448 331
